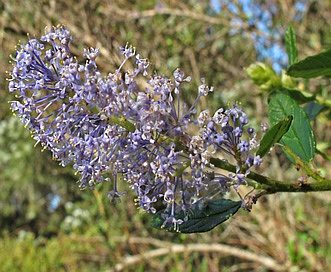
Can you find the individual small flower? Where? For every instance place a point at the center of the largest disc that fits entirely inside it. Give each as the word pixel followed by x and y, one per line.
pixel 264 127
pixel 179 77
pixel 142 65
pixel 127 51
pixel 115 195
pixel 146 203
pixel 91 53
pixel 204 89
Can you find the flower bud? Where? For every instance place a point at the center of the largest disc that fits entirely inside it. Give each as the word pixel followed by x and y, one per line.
pixel 263 75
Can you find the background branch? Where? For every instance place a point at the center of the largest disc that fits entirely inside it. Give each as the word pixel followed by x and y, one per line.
pixel 266 262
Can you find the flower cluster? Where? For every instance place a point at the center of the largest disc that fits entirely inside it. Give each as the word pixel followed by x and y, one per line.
pixel 112 129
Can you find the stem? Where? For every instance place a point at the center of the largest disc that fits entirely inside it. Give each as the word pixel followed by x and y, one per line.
pixel 182 169
pixel 310 172
pixel 272 186
pixel 323 101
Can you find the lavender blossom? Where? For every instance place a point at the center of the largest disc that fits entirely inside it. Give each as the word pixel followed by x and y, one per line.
pixel 111 129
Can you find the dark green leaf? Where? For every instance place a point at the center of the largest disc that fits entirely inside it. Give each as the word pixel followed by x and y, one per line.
pixel 291 45
pixel 297 95
pixel 300 137
pixel 201 219
pixel 312 66
pixel 273 135
pixel 313 109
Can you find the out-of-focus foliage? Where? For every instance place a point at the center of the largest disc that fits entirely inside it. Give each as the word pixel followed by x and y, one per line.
pixel 90 233
pixel 29 179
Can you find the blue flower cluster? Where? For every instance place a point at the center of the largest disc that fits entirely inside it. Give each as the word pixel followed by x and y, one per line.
pixel 112 129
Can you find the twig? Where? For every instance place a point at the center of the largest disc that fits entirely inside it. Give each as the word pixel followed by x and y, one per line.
pixel 267 262
pixel 272 186
pixel 131 15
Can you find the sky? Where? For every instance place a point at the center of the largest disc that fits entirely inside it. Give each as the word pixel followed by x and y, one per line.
pixel 261 17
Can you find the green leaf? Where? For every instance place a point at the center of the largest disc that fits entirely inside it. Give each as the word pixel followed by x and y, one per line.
pixel 201 219
pixel 291 45
pixel 312 66
pixel 297 95
pixel 300 137
pixel 122 122
pixel 273 135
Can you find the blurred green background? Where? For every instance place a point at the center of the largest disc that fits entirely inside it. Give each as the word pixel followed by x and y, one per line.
pixel 48 224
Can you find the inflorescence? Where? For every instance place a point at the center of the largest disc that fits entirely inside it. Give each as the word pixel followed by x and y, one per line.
pixel 111 129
